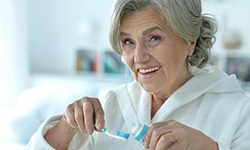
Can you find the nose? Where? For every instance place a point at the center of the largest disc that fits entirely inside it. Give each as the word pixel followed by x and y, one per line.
pixel 141 54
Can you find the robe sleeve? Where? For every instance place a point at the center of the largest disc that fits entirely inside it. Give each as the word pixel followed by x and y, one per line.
pixel 241 138
pixel 37 141
pixel 242 135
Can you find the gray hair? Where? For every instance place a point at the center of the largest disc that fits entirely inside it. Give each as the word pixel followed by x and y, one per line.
pixel 185 18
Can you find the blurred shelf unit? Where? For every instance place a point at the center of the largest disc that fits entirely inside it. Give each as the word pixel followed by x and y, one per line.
pixel 105 62
pixel 234 62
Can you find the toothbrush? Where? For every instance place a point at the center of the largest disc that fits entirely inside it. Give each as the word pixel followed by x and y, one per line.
pixel 120 135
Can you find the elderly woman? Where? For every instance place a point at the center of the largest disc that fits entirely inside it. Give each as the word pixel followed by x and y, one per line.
pixel 186 103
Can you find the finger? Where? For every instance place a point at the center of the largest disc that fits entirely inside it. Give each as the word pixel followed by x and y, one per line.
pixel 79 117
pixel 157 135
pixel 166 141
pixel 177 145
pixel 148 135
pixel 88 111
pixel 69 116
pixel 99 115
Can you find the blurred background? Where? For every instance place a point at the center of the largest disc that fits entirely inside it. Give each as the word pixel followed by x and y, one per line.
pixel 55 51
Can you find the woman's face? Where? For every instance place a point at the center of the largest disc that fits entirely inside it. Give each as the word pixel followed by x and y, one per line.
pixel 155 55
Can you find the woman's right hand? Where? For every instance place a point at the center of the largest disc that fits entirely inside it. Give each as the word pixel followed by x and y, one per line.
pixel 81 115
pixel 84 114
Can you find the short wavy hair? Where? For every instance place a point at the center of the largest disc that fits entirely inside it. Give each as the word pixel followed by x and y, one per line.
pixel 185 18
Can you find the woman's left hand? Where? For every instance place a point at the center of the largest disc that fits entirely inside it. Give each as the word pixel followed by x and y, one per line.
pixel 172 135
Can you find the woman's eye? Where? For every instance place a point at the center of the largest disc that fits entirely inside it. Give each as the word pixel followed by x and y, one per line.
pixel 155 38
pixel 127 42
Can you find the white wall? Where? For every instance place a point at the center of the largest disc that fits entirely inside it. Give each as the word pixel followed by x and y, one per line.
pixel 58 27
pixel 14 70
pixel 231 15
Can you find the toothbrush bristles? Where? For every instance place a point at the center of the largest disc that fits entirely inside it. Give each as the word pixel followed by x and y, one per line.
pixel 120 135
pixel 115 136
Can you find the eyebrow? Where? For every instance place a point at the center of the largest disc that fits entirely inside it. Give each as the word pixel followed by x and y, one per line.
pixel 151 30
pixel 144 32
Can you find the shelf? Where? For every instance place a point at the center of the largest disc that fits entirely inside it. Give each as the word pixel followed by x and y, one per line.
pixel 234 62
pixel 100 62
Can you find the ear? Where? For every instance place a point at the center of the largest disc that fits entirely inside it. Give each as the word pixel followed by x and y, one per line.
pixel 192 45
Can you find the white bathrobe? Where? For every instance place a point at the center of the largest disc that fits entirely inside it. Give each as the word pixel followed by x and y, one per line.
pixel 211 102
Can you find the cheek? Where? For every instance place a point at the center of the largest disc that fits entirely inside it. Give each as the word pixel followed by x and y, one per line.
pixel 171 59
pixel 128 61
pixel 130 64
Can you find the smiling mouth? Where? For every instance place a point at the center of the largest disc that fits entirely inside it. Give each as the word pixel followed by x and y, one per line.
pixel 149 70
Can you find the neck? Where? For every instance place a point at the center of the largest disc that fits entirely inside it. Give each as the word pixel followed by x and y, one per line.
pixel 157 101
pixel 156 104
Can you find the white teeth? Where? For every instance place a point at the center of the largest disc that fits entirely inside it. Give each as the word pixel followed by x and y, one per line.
pixel 148 70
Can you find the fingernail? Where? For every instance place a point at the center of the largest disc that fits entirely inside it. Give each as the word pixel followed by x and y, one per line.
pixel 89 131
pixel 98 126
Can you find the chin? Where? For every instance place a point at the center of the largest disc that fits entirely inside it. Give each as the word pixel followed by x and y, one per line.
pixel 148 87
